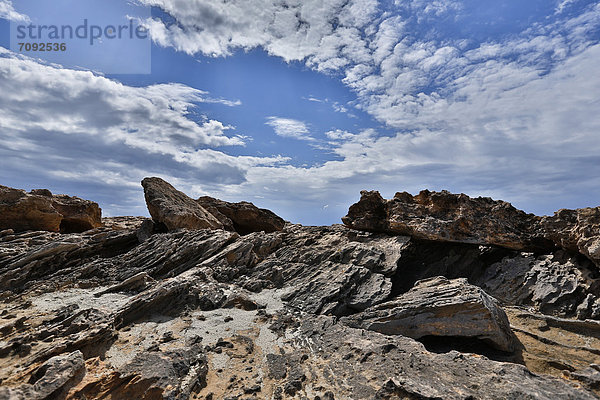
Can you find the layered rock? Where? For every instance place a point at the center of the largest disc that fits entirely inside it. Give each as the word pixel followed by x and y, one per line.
pixel 447 217
pixel 440 307
pixel 39 210
pixel 173 209
pixel 242 217
pixel 131 310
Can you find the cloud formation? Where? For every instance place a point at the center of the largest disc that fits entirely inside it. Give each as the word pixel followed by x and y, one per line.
pixel 7 11
pixel 290 128
pixel 512 116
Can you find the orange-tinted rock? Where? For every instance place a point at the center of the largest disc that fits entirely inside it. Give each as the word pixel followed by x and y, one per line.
pixel 40 210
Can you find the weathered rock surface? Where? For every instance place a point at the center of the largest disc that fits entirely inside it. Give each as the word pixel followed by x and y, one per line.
pixel 556 284
pixel 575 230
pixel 441 307
pixel 447 217
pixel 173 209
pixel 242 217
pixel 131 310
pixel 40 210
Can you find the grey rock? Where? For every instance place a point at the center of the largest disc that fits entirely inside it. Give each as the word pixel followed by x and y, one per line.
pixel 441 307
pixel 50 380
pixel 558 283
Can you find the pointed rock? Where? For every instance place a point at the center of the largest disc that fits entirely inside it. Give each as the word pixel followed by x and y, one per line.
pixel 175 210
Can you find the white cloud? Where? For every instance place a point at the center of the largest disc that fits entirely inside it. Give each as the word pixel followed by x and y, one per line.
pixel 7 11
pixel 290 128
pixel 62 124
pixel 516 118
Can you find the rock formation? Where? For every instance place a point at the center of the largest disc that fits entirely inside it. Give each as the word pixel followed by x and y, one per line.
pixel 242 217
pixel 130 310
pixel 175 210
pixel 447 217
pixel 40 210
pixel 443 308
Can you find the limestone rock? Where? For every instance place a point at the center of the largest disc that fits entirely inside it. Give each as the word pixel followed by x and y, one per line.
pixel 242 217
pixel 174 209
pixel 41 211
pixel 557 284
pixel 575 230
pixel 214 314
pixel 447 217
pixel 440 307
pixel 50 379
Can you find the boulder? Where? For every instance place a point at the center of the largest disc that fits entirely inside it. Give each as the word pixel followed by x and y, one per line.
pixel 173 209
pixel 242 217
pixel 441 307
pixel 39 210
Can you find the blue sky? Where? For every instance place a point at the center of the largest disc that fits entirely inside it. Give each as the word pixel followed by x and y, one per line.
pixel 299 105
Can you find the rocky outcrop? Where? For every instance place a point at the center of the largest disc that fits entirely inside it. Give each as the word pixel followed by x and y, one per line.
pixel 242 217
pixel 440 307
pixel 575 230
pixel 51 379
pixel 447 217
pixel 134 310
pixel 173 209
pixel 39 210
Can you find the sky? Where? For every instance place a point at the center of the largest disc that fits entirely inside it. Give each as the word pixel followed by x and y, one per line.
pixel 297 106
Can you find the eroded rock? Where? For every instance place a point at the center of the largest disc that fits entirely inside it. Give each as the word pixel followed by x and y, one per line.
pixel 446 217
pixel 441 307
pixel 242 217
pixel 39 210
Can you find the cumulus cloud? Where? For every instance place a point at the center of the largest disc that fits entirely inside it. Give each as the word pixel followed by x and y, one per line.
pixel 77 126
pixel 290 128
pixel 513 117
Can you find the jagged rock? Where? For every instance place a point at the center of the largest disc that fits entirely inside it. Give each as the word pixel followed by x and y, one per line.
pixel 41 256
pixel 41 211
pixel 359 364
pixel 575 230
pixel 589 376
pixel 169 375
pixel 440 307
pixel 242 217
pixel 447 217
pixel 273 311
pixel 443 216
pixel 50 379
pixel 559 283
pixel 174 209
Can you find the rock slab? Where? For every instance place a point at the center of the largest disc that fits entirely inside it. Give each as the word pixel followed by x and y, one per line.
pixel 242 217
pixel 441 307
